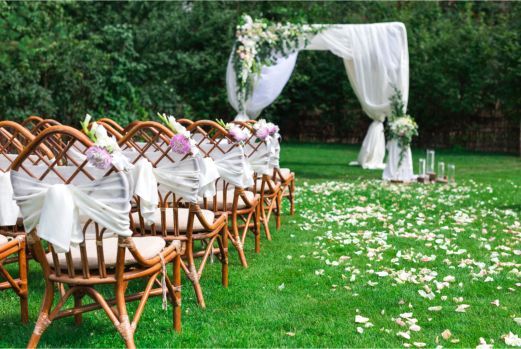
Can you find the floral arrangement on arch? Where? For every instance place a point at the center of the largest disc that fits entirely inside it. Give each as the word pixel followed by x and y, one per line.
pixel 401 127
pixel 258 43
pixel 236 132
pixel 105 152
pixel 182 142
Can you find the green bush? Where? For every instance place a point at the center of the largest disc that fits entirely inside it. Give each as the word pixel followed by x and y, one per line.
pixel 129 60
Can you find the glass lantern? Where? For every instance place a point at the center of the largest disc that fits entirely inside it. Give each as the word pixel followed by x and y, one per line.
pixel 430 161
pixel 451 173
pixel 421 170
pixel 441 170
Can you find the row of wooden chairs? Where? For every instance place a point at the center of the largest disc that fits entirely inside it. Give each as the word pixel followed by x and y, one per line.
pixel 43 142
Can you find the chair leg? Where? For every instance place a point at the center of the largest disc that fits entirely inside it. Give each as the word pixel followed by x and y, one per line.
pixel 24 287
pixel 223 245
pixel 278 204
pixel 43 319
pixel 236 241
pixel 257 228
pixel 124 328
pixel 193 275
pixel 292 197
pixel 177 293
pixel 265 220
pixel 77 304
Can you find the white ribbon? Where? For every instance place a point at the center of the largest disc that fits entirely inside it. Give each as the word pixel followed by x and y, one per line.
pixel 8 208
pixel 181 178
pixel 274 147
pixel 208 174
pixel 56 208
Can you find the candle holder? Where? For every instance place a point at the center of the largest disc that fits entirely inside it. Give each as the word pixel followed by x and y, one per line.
pixel 441 177
pixel 451 173
pixel 430 165
pixel 422 173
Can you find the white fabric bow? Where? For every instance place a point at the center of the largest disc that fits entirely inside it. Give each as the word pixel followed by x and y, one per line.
pixel 181 178
pixel 56 208
pixel 259 160
pixel 208 174
pixel 8 208
pixel 145 186
pixel 274 147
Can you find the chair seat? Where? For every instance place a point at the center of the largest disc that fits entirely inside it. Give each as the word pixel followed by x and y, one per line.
pixel 258 186
pixel 148 246
pixel 182 219
pixel 3 240
pixel 286 173
pixel 219 196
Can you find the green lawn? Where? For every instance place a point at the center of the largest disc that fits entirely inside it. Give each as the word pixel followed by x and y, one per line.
pixel 354 247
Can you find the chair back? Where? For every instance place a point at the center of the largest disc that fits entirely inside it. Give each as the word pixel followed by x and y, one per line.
pixel 67 195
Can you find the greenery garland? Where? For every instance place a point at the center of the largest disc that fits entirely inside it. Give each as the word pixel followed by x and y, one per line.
pixel 259 43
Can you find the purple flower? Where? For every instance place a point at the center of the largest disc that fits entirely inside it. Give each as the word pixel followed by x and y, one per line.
pixel 238 134
pixel 180 144
pixel 99 157
pixel 272 128
pixel 263 133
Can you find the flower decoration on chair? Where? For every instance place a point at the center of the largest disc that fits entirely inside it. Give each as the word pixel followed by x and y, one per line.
pixel 401 127
pixel 264 130
pixel 105 151
pixel 182 142
pixel 258 43
pixel 236 132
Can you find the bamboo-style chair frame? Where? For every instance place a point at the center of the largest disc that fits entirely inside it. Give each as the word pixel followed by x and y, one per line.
pixel 244 219
pixel 31 121
pixel 113 124
pixel 13 140
pixel 270 190
pixel 287 182
pixel 149 138
pixel 84 282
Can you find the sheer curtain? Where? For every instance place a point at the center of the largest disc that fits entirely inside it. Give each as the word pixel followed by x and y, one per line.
pixel 376 57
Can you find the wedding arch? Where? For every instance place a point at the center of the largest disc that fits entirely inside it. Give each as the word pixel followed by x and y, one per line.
pixel 376 59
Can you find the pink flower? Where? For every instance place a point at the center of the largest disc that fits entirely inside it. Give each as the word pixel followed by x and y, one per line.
pixel 238 134
pixel 180 144
pixel 263 133
pixel 99 157
pixel 272 128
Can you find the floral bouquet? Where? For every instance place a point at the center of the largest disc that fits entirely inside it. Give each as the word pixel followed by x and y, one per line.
pixel 181 142
pixel 105 151
pixel 258 43
pixel 401 127
pixel 238 134
pixel 264 130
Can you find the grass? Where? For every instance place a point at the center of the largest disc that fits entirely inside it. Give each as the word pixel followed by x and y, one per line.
pixel 307 285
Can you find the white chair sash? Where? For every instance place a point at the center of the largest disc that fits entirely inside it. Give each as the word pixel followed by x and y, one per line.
pixel 208 174
pixel 8 208
pixel 274 146
pixel 182 178
pixel 56 208
pixel 259 160
pixel 144 185
pixel 234 168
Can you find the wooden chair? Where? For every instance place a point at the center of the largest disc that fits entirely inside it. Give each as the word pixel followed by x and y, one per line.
pixel 175 219
pixel 113 124
pixel 14 138
pixel 241 205
pixel 284 176
pixel 31 121
pixel 100 259
pixel 269 190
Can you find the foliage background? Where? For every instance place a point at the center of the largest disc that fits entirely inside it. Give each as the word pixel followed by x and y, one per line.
pixel 128 60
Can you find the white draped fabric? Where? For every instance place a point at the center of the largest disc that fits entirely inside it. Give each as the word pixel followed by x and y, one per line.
pixel 56 208
pixel 376 58
pixel 403 172
pixel 181 178
pixel 8 207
